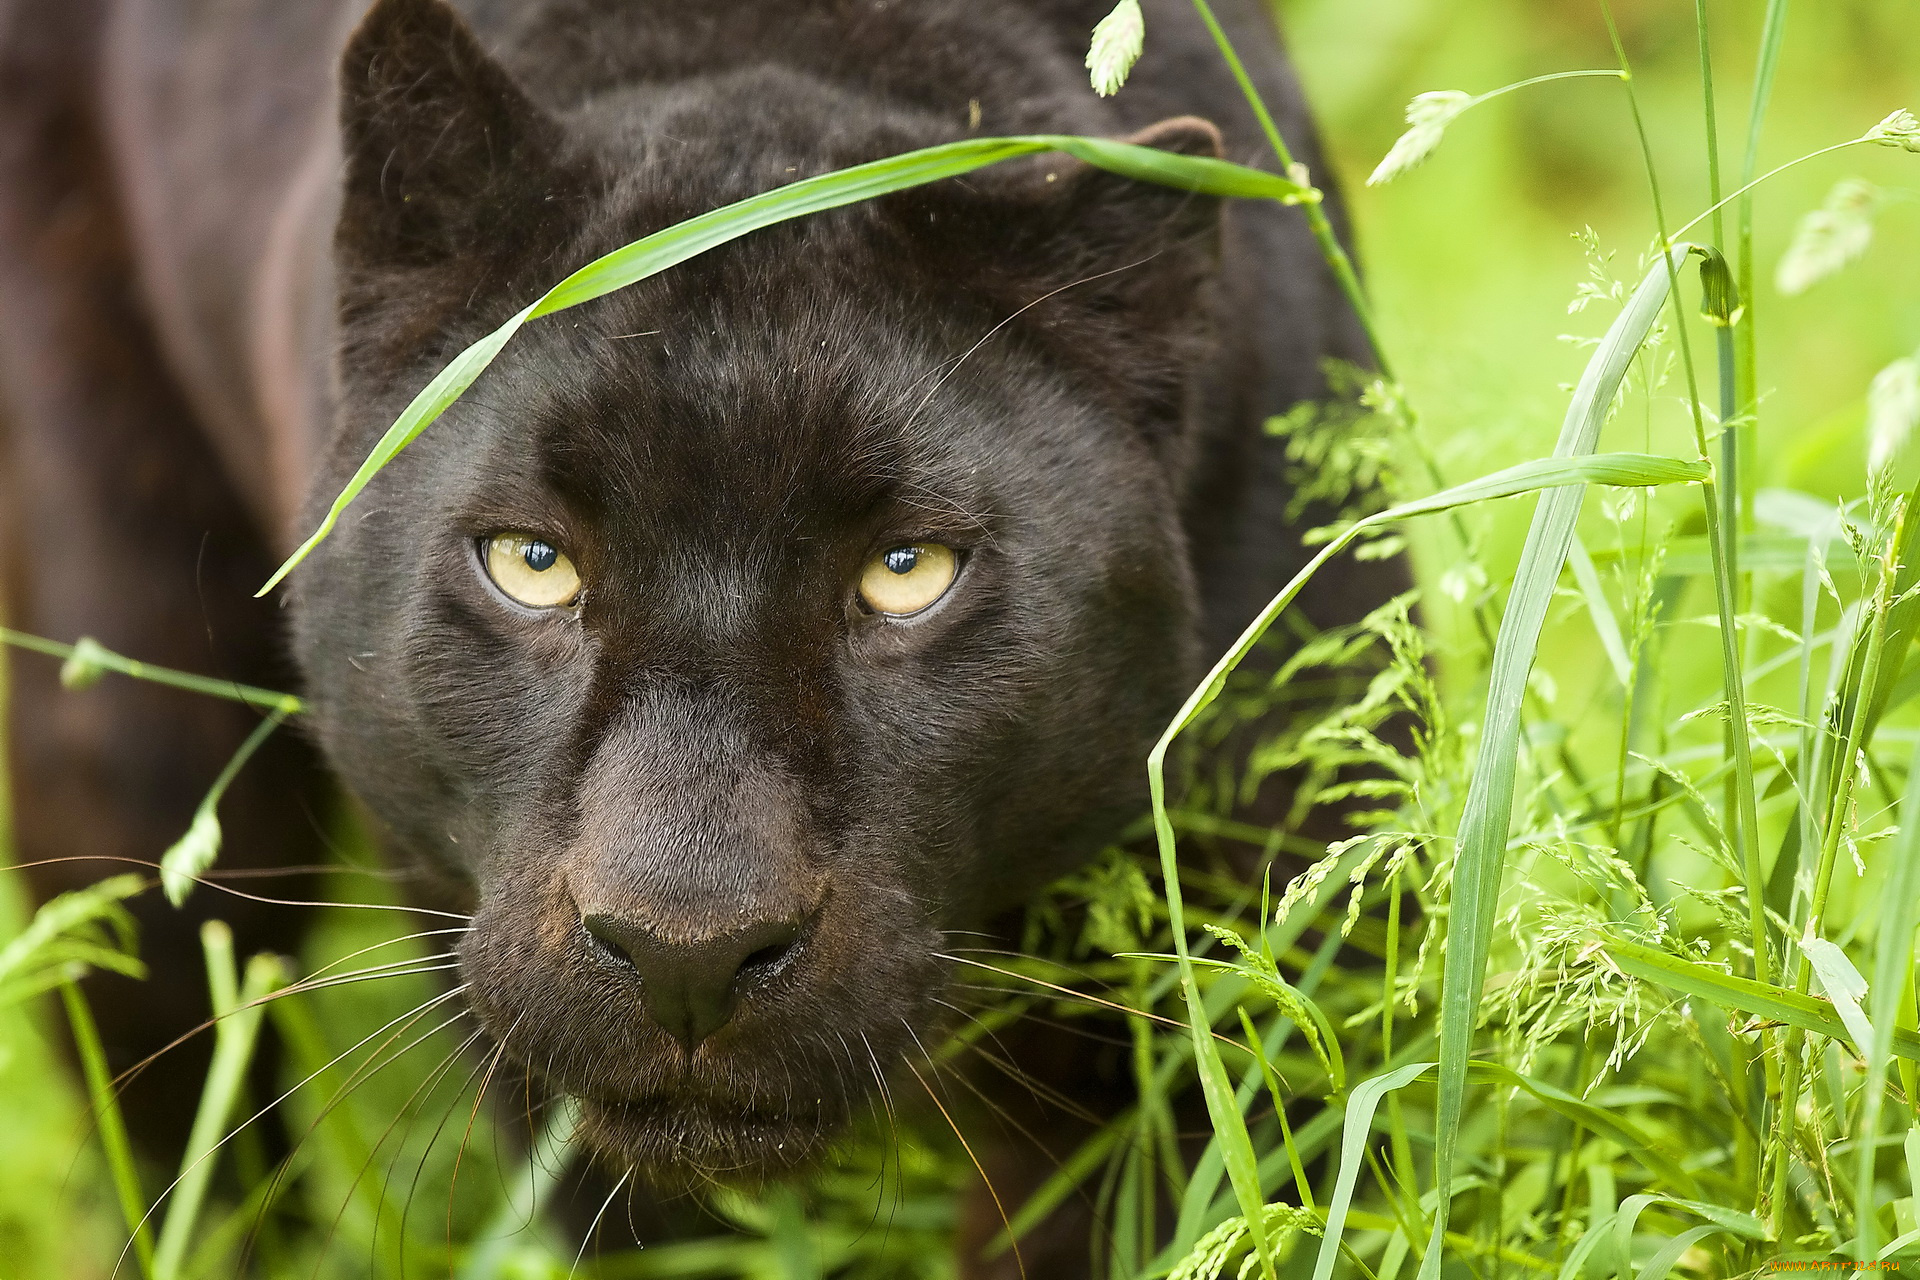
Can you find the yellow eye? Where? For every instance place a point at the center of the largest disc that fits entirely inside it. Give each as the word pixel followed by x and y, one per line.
pixel 531 570
pixel 906 579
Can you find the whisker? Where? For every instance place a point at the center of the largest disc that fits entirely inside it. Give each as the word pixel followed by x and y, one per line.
pixel 594 1227
pixel 251 897
pixel 433 1139
pixel 132 1073
pixel 366 1071
pixel 408 1108
pixel 1002 1114
pixel 211 1151
pixel 1039 1090
pixel 988 336
pixel 1076 995
pixel 899 1163
pixel 979 1168
pixel 395 941
pixel 453 1183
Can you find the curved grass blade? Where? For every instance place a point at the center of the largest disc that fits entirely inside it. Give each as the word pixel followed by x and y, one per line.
pixel 1596 1119
pixel 1662 1262
pixel 1353 1142
pixel 1548 473
pixel 1359 1119
pixel 1744 995
pixel 1482 842
pixel 653 254
pixel 1638 470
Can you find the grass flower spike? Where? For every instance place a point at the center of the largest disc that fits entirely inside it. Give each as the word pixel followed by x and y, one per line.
pixel 1893 411
pixel 1117 41
pixel 1829 238
pixel 1899 129
pixel 1428 116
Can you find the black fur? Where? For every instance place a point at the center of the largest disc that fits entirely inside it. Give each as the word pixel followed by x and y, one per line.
pixel 1057 372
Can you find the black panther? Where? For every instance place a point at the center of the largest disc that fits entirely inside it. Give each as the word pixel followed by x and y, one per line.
pixel 739 637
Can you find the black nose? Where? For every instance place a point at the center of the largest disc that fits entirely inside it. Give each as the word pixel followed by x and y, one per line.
pixel 690 986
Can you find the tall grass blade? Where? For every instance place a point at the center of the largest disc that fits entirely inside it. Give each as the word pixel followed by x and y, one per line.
pixel 653 254
pixel 1744 1225
pixel 1361 1106
pixel 1597 1119
pixel 1663 1261
pixel 1549 473
pixel 1892 970
pixel 1481 847
pixel 113 1126
pixel 1229 1124
pixel 239 1008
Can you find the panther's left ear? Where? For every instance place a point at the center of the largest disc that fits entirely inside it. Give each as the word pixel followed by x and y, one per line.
pixel 446 156
pixel 1104 218
pixel 1115 269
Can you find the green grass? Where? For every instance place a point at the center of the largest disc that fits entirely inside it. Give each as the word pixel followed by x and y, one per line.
pixel 1598 984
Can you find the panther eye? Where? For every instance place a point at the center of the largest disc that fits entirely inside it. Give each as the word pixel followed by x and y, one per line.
pixel 531 570
pixel 906 579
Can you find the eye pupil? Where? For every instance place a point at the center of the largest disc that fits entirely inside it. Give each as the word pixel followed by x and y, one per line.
pixel 901 560
pixel 540 556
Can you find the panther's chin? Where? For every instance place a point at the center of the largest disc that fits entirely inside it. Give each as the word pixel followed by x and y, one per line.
pixel 679 1142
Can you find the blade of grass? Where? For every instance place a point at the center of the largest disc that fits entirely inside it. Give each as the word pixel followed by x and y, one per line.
pixel 1839 819
pixel 1598 1119
pixel 1361 1105
pixel 653 254
pixel 113 1126
pixel 1359 1119
pixel 1662 1262
pixel 1731 991
pixel 239 1008
pixel 1772 38
pixel 1549 473
pixel 1482 841
pixel 1331 249
pixel 1892 965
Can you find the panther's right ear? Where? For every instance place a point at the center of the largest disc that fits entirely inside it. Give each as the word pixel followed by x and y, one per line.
pixel 445 154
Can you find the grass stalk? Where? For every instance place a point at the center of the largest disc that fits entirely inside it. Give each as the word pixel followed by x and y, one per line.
pixel 1317 221
pixel 1839 819
pixel 1892 973
pixel 238 1006
pixel 1772 39
pixel 113 1126
pixel 1745 819
pixel 86 660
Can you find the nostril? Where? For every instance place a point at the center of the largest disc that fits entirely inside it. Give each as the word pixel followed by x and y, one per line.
pixel 605 933
pixel 768 958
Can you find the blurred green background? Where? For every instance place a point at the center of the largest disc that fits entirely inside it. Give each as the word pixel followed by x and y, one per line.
pixel 1472 260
